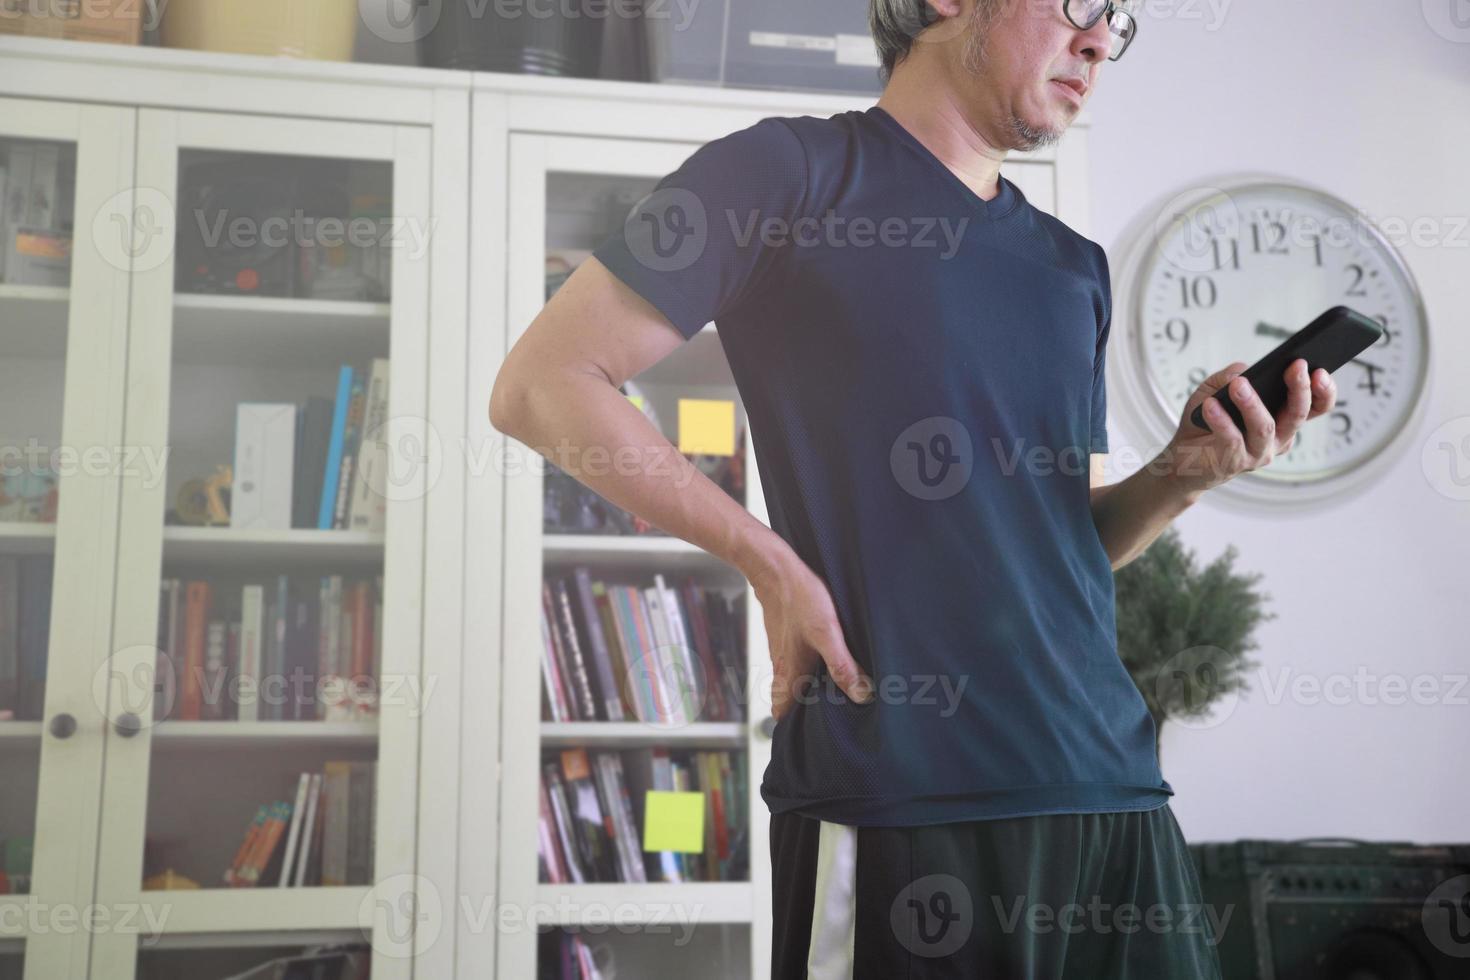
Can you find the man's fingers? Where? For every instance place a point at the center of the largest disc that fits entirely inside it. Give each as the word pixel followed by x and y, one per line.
pixel 1260 427
pixel 1298 404
pixel 843 668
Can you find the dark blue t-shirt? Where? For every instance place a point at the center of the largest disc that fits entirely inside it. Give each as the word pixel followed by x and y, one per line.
pixel 922 371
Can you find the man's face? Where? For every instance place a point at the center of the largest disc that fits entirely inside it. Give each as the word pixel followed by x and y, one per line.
pixel 1019 59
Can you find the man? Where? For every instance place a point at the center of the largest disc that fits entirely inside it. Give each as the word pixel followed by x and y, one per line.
pixel 963 780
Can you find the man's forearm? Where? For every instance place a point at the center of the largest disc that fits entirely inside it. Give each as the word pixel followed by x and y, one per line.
pixel 1131 513
pixel 595 434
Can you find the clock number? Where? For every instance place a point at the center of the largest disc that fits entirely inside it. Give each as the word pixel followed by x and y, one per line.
pixel 1370 381
pixel 1181 335
pixel 1191 289
pixel 1356 289
pixel 1317 250
pixel 1273 247
pixel 1234 253
pixel 1343 418
pixel 1197 377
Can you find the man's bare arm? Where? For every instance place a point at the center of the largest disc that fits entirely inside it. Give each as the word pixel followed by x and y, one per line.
pixel 558 393
pixel 1131 513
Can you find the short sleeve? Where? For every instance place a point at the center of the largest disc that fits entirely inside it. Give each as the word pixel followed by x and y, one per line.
pixel 1098 438
pixel 701 241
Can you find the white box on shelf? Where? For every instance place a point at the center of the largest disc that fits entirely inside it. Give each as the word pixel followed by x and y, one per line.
pixel 265 445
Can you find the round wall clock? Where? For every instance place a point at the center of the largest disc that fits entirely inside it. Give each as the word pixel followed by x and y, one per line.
pixel 1226 273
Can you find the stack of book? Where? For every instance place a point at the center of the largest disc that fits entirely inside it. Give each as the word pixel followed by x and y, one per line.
pixel 308 650
pixel 324 837
pixel 25 634
pixel 624 652
pixel 592 809
pixel 319 464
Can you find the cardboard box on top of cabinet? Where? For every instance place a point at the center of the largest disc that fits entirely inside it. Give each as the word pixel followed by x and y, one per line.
pixel 111 21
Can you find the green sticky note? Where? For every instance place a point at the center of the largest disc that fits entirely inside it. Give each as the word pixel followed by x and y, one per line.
pixel 673 821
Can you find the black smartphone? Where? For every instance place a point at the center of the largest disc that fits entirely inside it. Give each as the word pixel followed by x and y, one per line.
pixel 1330 341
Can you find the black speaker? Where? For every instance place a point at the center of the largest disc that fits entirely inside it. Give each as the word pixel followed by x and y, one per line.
pixel 1337 909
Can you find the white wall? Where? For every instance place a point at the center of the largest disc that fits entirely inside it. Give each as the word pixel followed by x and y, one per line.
pixel 1370 102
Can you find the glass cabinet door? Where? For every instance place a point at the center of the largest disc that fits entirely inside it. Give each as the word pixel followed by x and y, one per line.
pixel 626 649
pixel 265 685
pixel 63 331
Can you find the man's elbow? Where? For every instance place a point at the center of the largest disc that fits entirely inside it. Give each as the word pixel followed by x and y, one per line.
pixel 508 403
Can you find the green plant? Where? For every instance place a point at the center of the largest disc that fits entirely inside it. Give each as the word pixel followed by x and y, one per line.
pixel 1183 632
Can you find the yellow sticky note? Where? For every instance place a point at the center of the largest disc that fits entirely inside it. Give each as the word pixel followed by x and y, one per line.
pixel 707 425
pixel 636 400
pixel 673 821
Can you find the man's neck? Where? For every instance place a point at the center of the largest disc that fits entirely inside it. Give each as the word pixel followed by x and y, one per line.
pixel 922 102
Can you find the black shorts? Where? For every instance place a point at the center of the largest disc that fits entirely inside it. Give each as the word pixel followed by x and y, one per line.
pixel 1090 896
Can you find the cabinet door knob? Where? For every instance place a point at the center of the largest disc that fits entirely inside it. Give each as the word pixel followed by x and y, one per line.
pixel 767 726
pixel 63 726
pixel 127 725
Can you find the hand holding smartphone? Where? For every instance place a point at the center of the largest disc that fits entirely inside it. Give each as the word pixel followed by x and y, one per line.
pixel 1329 342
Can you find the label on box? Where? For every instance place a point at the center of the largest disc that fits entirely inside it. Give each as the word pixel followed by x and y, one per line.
pixel 799 42
pixel 857 49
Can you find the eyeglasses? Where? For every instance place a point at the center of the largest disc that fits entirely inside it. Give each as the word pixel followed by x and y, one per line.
pixel 1085 13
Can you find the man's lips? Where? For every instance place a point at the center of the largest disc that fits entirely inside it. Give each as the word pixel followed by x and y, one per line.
pixel 1074 87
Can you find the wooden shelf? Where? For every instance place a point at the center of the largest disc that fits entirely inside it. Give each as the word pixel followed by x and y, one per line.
pixel 295 545
pixel 253 916
pixel 704 902
pixel 26 538
pixel 265 330
pixel 19 734
pixel 628 552
pixel 276 735
pixel 632 734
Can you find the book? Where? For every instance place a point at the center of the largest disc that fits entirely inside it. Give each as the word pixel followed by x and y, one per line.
pixel 333 470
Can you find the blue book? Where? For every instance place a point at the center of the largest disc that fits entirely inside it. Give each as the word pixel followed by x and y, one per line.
pixel 334 450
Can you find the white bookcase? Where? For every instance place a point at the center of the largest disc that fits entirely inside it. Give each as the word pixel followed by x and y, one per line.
pixel 136 351
pixel 500 169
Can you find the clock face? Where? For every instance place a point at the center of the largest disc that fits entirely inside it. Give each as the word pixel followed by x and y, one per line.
pixel 1234 272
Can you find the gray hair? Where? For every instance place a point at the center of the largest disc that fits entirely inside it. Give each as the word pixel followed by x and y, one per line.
pixel 895 24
